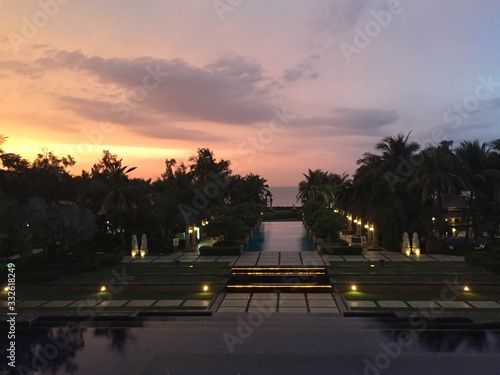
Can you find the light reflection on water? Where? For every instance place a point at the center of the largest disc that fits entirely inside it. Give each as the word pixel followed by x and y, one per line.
pixel 280 236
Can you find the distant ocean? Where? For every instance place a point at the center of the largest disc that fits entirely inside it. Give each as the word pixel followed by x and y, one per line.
pixel 284 196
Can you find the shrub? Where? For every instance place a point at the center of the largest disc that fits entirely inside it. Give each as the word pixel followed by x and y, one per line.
pixel 229 250
pixel 342 250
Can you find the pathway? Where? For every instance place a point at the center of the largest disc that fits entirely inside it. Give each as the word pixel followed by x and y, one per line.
pixel 292 258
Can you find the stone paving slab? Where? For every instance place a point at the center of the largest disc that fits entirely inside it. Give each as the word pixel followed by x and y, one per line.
pixel 269 296
pixel 163 260
pixel 289 296
pixel 292 309
pixel 237 296
pixel 141 303
pixel 168 303
pixel 231 309
pixel 484 304
pixel 423 304
pixel 455 304
pixel 361 304
pixel 324 310
pixel 113 303
pixel 314 296
pixel 196 303
pixel 292 303
pixel 234 303
pixel 85 303
pixel 262 309
pixel 322 303
pixel 30 303
pixel 227 258
pixel 392 304
pixel 58 303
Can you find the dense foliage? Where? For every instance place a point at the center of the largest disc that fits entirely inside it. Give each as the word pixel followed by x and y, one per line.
pixel 406 188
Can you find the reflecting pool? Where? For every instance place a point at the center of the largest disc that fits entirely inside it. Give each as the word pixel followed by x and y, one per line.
pixel 281 236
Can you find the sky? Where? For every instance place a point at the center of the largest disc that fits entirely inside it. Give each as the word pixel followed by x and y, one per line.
pixel 275 86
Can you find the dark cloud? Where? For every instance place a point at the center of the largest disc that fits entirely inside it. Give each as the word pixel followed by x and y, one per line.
pixel 300 71
pixel 232 90
pixel 344 121
pixel 139 121
pixel 336 16
pixel 22 68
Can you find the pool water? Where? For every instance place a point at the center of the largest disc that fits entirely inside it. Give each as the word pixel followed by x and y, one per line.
pixel 280 236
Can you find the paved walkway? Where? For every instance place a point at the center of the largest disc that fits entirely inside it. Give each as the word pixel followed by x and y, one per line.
pixel 291 258
pixel 98 304
pixel 425 304
pixel 279 303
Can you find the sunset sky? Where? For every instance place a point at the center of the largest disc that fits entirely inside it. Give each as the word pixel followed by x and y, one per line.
pixel 275 86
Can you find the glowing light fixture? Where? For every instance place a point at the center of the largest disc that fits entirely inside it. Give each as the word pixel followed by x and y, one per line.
pixel 133 253
pixel 6 289
pixel 143 253
pixel 354 288
pixel 103 288
pixel 466 289
pixel 205 288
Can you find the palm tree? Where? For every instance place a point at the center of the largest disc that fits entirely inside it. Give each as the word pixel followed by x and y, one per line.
pixel 438 176
pixel 113 194
pixel 396 150
pixel 313 188
pixel 473 157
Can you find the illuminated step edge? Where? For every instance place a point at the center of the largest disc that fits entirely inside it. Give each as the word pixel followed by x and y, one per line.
pixel 260 269
pixel 278 273
pixel 277 286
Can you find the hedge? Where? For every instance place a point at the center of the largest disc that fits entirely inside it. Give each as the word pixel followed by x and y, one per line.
pixel 230 250
pixel 342 250
pixel 488 260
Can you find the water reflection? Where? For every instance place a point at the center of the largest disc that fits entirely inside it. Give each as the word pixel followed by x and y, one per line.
pixel 446 338
pixel 54 350
pixel 118 337
pixel 280 236
pixel 45 350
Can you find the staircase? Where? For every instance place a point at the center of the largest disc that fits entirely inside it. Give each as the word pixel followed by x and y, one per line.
pixel 282 279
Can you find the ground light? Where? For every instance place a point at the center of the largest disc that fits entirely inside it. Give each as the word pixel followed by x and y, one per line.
pixel 205 288
pixel 103 288
pixel 466 289
pixel 354 288
pixel 6 289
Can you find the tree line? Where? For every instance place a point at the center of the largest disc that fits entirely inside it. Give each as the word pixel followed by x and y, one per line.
pixel 43 204
pixel 403 187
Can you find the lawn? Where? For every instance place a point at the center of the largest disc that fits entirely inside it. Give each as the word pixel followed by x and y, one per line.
pixel 407 273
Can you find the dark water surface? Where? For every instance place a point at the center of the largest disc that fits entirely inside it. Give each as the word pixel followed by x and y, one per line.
pixel 256 344
pixel 281 236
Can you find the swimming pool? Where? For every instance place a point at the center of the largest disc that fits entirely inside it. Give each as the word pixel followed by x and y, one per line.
pixel 280 236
